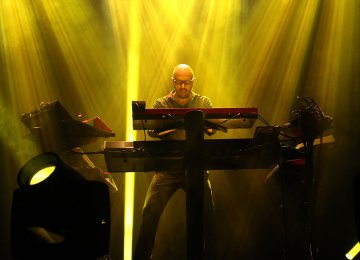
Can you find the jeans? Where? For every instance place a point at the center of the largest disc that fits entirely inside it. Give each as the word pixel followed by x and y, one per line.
pixel 163 185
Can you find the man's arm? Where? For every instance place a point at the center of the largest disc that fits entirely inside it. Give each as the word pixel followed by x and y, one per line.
pixel 208 104
pixel 160 103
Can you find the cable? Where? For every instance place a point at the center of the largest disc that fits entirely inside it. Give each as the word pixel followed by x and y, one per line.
pixel 143 127
pixel 262 119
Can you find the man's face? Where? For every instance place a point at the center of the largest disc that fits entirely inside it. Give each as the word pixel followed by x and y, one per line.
pixel 183 81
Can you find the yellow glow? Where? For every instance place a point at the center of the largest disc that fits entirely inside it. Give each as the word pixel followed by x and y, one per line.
pixel 125 26
pixel 90 56
pixel 52 44
pixel 353 252
pixel 132 93
pixel 42 175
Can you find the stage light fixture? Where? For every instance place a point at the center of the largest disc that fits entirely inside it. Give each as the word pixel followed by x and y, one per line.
pixel 57 213
pixel 47 169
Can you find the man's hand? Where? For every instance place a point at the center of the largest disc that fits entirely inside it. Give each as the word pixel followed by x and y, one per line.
pixel 166 132
pixel 210 131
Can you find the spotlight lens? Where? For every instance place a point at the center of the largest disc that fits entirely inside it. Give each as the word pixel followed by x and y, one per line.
pixel 42 174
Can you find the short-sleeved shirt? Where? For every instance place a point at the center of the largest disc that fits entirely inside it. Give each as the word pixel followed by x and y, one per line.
pixel 168 101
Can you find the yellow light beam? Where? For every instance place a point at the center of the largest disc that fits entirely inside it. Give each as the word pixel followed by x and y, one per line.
pixel 353 252
pixel 132 89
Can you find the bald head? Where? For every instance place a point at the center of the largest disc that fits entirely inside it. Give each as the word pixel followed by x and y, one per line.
pixel 182 79
pixel 183 70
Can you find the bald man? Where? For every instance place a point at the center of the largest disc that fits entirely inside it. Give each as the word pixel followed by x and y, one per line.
pixel 181 96
pixel 164 184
